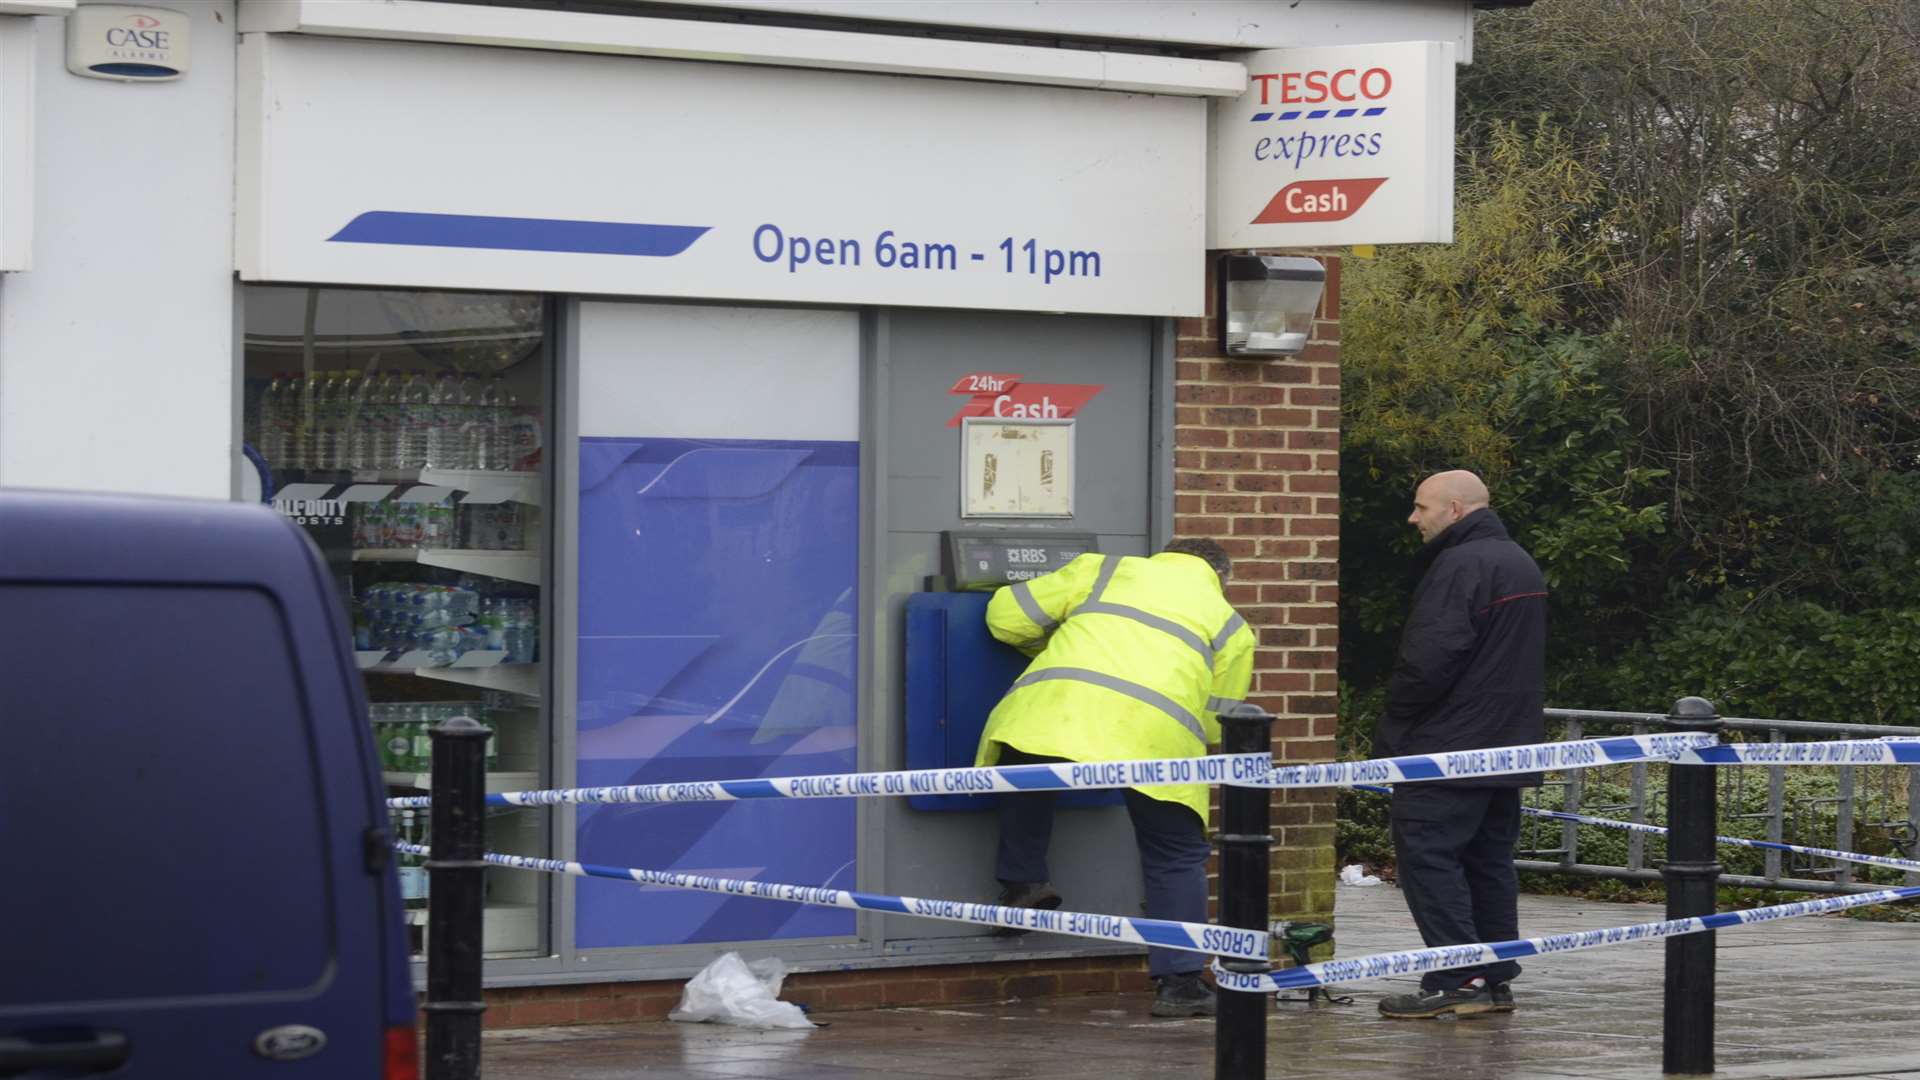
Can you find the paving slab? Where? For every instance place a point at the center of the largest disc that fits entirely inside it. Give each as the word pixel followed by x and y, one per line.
pixel 1807 999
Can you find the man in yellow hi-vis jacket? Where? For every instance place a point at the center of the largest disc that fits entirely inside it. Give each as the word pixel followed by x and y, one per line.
pixel 1133 657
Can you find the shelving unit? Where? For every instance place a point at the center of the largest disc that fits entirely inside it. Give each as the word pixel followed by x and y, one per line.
pixel 519 566
pixel 503 927
pixel 496 781
pixel 480 485
pixel 522 679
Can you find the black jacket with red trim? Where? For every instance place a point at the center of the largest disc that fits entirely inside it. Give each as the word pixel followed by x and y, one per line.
pixel 1471 672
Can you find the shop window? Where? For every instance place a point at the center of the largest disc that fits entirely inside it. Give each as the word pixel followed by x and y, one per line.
pixel 406 432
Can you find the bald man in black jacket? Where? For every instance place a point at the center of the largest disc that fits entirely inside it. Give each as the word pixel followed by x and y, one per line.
pixel 1471 674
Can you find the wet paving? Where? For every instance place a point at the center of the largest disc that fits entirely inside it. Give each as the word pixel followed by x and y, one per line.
pixel 1806 999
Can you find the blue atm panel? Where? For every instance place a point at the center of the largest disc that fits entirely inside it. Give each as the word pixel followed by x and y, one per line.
pixel 956 673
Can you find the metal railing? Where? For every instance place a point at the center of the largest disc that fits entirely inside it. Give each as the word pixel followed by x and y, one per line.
pixel 1868 802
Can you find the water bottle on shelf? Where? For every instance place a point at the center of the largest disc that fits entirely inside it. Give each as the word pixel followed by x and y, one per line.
pixel 443 402
pixel 522 632
pixel 413 877
pixel 271 441
pixel 383 424
pixel 493 426
pixel 319 450
pixel 470 429
pixel 370 525
pixel 415 417
pixel 404 519
pixel 362 445
pixel 491 622
pixel 338 420
pixel 293 422
pixel 436 525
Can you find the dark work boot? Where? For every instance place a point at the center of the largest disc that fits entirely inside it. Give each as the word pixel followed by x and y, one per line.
pixel 1182 996
pixel 1501 995
pixel 1425 1004
pixel 1026 894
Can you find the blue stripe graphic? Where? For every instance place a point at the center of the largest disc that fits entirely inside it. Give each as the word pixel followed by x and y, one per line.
pixel 1295 114
pixel 1621 749
pixel 1508 950
pixel 1724 918
pixel 519 234
pixel 750 789
pixel 1159 933
pixel 1027 778
pixel 876 902
pixel 1421 768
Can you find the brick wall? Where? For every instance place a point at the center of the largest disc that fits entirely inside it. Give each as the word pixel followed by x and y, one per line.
pixel 827 991
pixel 1257 466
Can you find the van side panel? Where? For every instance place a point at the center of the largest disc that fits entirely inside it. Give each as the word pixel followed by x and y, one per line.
pixel 188 792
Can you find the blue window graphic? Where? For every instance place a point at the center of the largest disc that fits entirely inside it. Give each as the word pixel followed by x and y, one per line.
pixel 718 615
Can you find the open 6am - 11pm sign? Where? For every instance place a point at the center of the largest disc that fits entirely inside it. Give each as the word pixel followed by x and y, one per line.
pixel 408 164
pixel 1334 146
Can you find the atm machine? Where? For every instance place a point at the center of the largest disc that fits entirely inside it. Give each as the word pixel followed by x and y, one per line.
pixel 956 672
pixel 1007 445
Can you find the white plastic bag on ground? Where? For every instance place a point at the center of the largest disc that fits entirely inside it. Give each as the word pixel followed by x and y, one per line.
pixel 1357 875
pixel 732 991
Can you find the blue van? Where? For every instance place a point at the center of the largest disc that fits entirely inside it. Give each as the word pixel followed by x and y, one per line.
pixel 198 876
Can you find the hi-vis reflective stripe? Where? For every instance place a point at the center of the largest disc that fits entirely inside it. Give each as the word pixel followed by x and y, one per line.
pixel 1840 752
pixel 1420 961
pixel 1165 933
pixel 1023 595
pixel 1226 632
pixel 1731 841
pixel 1108 564
pixel 1497 761
pixel 1146 618
pixel 1222 704
pixel 980 780
pixel 1121 686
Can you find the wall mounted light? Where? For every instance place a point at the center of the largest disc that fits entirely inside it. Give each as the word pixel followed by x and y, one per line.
pixel 1267 303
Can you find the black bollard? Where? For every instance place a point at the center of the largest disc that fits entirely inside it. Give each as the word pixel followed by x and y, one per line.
pixel 1692 874
pixel 458 830
pixel 1246 842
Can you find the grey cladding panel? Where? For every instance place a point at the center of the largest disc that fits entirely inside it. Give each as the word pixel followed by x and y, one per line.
pixel 932 350
pixel 950 855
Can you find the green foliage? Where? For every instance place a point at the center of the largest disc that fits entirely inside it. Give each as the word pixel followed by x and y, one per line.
pixel 1446 363
pixel 1679 335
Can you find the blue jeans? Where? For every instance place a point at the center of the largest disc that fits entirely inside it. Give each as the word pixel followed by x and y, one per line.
pixel 1173 857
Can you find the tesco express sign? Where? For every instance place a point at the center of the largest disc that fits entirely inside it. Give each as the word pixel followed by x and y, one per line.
pixel 1314 87
pixel 1332 146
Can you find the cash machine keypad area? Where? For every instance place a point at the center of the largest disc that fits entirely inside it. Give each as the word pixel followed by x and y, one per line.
pixel 956 672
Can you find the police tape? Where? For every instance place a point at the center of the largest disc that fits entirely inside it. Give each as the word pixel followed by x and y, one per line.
pixel 976 780
pixel 1164 933
pixel 1912 865
pixel 1421 961
pixel 1477 764
pixel 1892 751
pixel 1243 770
